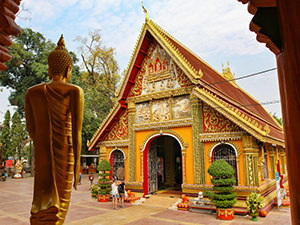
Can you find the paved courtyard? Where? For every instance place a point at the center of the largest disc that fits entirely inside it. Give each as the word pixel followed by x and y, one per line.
pixel 16 197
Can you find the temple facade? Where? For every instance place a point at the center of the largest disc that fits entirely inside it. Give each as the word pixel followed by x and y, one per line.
pixel 175 115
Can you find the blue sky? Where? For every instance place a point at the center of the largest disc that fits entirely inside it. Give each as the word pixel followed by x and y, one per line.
pixel 216 30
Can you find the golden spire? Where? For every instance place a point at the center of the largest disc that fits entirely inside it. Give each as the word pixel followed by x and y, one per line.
pixel 145 11
pixel 61 43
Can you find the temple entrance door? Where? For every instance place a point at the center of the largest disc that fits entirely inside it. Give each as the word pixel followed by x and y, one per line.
pixel 117 164
pixel 164 164
pixel 152 169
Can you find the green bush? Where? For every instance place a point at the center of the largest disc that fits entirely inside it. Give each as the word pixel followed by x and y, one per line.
pixel 103 182
pixel 254 203
pixel 223 181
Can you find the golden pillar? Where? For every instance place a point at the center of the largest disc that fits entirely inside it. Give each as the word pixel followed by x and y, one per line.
pixel 251 160
pixel 272 157
pixel 198 146
pixel 261 159
pixel 102 152
pixel 131 146
pixel 183 152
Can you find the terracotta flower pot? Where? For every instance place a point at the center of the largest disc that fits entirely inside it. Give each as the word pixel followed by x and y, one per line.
pixel 225 214
pixel 103 198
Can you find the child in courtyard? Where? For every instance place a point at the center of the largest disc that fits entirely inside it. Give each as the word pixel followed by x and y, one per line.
pixel 121 189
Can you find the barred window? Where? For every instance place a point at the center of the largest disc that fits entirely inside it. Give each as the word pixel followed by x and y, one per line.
pixel 226 152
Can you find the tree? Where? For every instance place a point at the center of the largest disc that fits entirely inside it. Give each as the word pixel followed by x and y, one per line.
pixel 28 66
pixel 18 135
pixel 99 82
pixel 5 136
pixel 278 119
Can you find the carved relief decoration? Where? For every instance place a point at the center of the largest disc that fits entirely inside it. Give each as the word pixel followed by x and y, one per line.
pixel 158 73
pixel 181 107
pixel 143 112
pixel 120 129
pixel 161 109
pixel 214 122
pixel 182 79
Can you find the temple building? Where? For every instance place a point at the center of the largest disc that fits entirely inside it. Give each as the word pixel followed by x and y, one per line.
pixel 175 115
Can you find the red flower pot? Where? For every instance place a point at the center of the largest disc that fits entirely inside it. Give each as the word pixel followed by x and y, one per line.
pixel 225 214
pixel 103 198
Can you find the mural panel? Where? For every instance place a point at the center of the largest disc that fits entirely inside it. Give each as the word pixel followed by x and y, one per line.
pixel 161 110
pixel 181 107
pixel 143 114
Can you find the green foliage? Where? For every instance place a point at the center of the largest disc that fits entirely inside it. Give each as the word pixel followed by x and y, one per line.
pixel 94 189
pixel 221 169
pixel 18 136
pixel 104 165
pixel 99 82
pixel 254 203
pixel 103 182
pixel 278 119
pixel 223 181
pixel 5 136
pixel 27 67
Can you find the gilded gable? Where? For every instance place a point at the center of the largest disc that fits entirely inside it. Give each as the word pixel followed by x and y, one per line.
pixel 158 73
pixel 120 129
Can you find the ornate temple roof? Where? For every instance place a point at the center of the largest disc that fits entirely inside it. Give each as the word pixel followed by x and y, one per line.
pixel 210 86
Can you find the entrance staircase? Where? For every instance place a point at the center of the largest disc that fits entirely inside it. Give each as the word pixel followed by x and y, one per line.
pixel 164 199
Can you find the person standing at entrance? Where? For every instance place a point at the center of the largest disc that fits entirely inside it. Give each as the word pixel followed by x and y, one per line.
pixel 114 192
pixel 121 189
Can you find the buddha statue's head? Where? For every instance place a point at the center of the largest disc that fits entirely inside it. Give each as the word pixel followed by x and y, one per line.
pixel 59 61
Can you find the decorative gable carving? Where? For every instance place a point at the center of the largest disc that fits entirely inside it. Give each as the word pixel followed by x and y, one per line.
pixel 214 122
pixel 119 130
pixel 158 73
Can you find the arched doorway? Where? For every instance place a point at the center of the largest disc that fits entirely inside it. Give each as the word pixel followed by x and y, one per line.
pixel 228 153
pixel 117 164
pixel 164 164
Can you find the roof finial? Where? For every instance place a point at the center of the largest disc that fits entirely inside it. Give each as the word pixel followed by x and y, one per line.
pixel 145 11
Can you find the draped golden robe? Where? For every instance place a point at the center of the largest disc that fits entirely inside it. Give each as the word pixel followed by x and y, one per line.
pixel 49 126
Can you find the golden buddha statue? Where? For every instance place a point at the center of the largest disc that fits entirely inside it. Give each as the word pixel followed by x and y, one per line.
pixel 54 113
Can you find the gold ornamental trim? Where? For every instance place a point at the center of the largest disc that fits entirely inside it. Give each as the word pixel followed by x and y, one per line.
pixel 164 124
pixel 161 94
pixel 162 132
pixel 119 143
pixel 227 136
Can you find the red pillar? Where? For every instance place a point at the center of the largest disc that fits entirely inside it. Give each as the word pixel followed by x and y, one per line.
pixel 288 62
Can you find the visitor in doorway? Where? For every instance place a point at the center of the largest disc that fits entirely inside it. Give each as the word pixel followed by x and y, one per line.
pixel 91 179
pixel 121 190
pixel 87 169
pixel 114 193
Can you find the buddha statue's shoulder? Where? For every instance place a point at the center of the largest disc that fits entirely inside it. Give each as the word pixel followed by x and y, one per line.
pixel 35 88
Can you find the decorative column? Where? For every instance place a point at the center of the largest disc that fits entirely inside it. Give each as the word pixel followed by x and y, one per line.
pixel 251 160
pixel 131 145
pixel 198 147
pixel 272 157
pixel 183 152
pixel 102 152
pixel 261 159
pixel 283 160
pixel 142 166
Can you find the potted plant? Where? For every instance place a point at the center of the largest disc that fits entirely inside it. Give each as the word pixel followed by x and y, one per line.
pixel 254 204
pixel 223 196
pixel 104 183
pixel 94 191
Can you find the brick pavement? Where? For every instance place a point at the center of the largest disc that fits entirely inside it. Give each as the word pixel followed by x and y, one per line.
pixel 16 197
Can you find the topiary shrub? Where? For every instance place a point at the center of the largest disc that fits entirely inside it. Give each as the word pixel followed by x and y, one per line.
pixel 103 182
pixel 223 181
